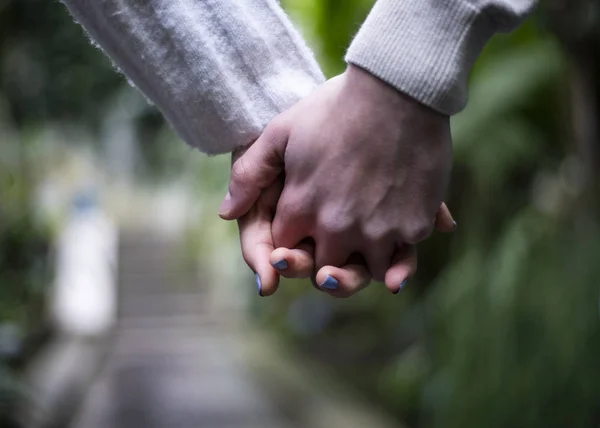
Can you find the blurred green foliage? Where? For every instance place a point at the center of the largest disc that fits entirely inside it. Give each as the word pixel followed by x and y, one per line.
pixel 24 243
pixel 501 325
pixel 49 71
pixel 49 75
pixel 24 275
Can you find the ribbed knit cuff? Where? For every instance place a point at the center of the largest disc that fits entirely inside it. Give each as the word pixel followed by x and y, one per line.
pixel 424 48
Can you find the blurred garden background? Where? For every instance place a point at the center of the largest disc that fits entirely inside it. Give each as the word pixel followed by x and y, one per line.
pixel 499 328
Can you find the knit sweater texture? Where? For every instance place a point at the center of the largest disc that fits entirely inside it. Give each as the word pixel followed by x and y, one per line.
pixel 220 70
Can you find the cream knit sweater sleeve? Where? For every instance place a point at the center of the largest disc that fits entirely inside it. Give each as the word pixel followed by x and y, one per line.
pixel 426 48
pixel 218 70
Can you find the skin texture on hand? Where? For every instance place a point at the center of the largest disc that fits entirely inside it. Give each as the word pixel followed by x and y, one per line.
pixel 365 166
pixel 269 263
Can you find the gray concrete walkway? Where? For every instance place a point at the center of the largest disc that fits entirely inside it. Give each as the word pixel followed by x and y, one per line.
pixel 172 364
pixel 178 363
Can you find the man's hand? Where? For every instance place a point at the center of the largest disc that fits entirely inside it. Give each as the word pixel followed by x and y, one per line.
pixel 269 264
pixel 366 169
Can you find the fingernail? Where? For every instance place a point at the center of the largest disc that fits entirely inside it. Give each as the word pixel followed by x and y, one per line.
pixel 330 283
pixel 402 284
pixel 224 208
pixel 258 285
pixel 281 264
pixel 453 225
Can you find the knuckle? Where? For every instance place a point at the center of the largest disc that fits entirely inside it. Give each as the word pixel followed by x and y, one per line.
pixel 277 130
pixel 332 224
pixel 294 208
pixel 416 231
pixel 240 172
pixel 277 127
pixel 376 232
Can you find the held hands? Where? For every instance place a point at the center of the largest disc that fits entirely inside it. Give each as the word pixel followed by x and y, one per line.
pixel 269 264
pixel 365 170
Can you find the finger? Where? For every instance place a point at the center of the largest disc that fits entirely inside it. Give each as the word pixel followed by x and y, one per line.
pixel 254 170
pixel 256 239
pixel 404 265
pixel 294 263
pixel 378 256
pixel 257 245
pixel 334 246
pixel 444 221
pixel 331 252
pixel 293 220
pixel 343 282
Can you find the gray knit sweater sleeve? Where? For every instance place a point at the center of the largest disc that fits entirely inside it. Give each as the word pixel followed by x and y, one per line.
pixel 426 48
pixel 219 70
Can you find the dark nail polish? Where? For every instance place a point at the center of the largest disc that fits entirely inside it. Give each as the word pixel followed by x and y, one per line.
pixel 330 283
pixel 258 285
pixel 281 265
pixel 453 225
pixel 402 284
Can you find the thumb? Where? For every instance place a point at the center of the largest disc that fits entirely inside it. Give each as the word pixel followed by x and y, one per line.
pixel 254 170
pixel 444 221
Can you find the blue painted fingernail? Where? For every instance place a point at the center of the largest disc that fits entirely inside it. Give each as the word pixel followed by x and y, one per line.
pixel 281 264
pixel 258 285
pixel 330 283
pixel 402 284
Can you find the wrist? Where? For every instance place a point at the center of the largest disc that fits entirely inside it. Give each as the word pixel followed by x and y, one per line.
pixel 365 84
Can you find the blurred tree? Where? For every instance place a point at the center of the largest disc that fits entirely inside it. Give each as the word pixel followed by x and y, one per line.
pixel 49 71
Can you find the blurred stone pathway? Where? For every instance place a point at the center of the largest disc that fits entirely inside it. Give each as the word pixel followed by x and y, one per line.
pixel 177 361
pixel 173 362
